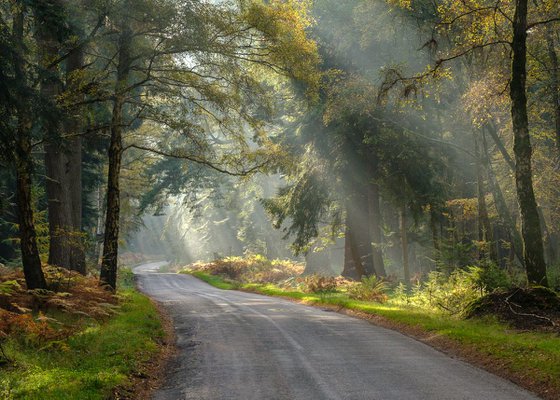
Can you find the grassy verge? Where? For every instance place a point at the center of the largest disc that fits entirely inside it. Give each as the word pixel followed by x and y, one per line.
pixel 528 358
pixel 89 364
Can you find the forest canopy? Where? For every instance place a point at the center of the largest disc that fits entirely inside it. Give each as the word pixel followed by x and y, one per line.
pixel 386 138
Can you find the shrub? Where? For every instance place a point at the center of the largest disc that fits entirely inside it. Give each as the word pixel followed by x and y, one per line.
pixel 370 288
pixel 451 293
pixel 251 269
pixel 318 284
pixel 491 277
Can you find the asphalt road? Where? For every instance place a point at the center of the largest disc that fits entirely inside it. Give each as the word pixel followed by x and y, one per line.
pixel 240 346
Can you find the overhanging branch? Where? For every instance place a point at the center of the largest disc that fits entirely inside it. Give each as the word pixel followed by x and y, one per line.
pixel 200 161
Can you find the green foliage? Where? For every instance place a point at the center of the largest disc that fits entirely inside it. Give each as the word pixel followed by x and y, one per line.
pixel 370 288
pixel 454 254
pixel 7 288
pixel 126 278
pixel 554 276
pixel 303 203
pixel 491 277
pixel 451 293
pixel 216 281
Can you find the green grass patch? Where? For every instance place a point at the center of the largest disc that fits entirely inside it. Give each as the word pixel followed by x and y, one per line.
pixel 89 364
pixel 533 355
pixel 214 280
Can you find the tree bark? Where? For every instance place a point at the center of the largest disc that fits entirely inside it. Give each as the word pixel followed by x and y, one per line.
pixel 555 82
pixel 74 171
pixel 56 161
pixel 108 274
pixel 435 227
pixel 318 263
pixel 58 206
pixel 532 239
pixel 353 266
pixel 375 230
pixel 501 205
pixel 98 233
pixel 404 245
pixel 34 277
pixel 355 254
pixel 348 269
pixel 31 260
pixel 491 129
pixel 485 233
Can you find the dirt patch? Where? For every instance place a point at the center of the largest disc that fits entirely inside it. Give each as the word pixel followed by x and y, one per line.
pixel 535 309
pixel 150 376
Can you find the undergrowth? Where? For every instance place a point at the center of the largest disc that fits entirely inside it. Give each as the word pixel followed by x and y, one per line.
pixel 251 269
pixel 76 341
pixel 447 293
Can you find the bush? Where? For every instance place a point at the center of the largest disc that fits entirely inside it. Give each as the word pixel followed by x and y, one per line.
pixel 369 289
pixel 491 277
pixel 318 284
pixel 451 293
pixel 251 269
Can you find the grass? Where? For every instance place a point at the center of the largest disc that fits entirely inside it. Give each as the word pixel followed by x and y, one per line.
pixel 87 365
pixel 530 358
pixel 216 281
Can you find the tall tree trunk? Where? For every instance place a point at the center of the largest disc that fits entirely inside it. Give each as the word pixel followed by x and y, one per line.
pixel 375 229
pixel 58 205
pixel 404 245
pixel 348 269
pixel 360 214
pixel 491 129
pixel 56 160
pixel 554 82
pixel 547 238
pixel 435 227
pixel 32 271
pixel 318 262
pixel 355 254
pixel 108 274
pixel 551 237
pixel 501 205
pixel 532 239
pixel 99 226
pixel 34 277
pixel 74 173
pixel 353 264
pixel 485 233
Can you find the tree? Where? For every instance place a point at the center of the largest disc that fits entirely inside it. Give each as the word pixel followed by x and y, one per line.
pixel 533 251
pixel 501 26
pixel 18 141
pixel 178 67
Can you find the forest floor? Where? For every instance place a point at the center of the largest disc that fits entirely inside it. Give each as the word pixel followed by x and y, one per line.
pixel 78 341
pixel 528 358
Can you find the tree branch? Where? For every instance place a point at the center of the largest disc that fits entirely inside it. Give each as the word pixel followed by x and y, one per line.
pixel 200 161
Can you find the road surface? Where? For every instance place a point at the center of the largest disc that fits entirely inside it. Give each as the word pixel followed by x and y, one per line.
pixel 241 346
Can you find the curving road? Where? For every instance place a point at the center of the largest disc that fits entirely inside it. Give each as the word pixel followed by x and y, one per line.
pixel 240 346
